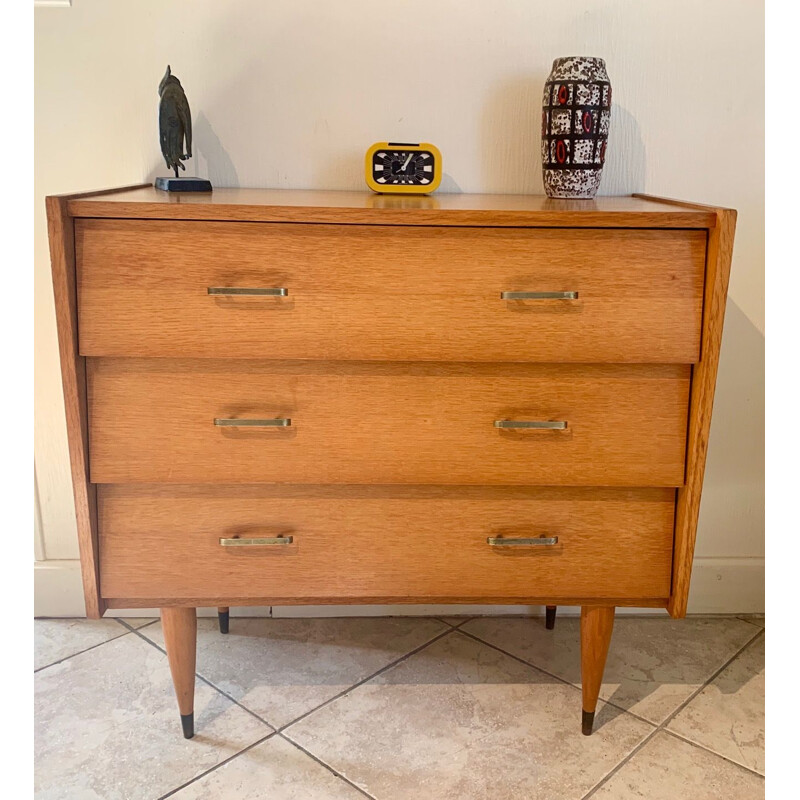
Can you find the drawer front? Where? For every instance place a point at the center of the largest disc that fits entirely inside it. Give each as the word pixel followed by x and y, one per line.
pixel 153 421
pixel 388 293
pixel 384 543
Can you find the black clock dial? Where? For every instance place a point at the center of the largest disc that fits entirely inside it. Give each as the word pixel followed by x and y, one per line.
pixel 396 167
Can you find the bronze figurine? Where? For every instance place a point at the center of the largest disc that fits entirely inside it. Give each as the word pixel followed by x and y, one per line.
pixel 174 122
pixel 175 129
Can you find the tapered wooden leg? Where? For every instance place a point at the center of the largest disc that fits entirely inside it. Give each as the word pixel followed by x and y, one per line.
pixel 550 617
pixel 596 626
pixel 180 637
pixel 224 617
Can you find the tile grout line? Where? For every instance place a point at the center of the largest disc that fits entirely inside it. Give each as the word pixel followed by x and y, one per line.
pixel 752 622
pixel 279 731
pixel 209 683
pixel 276 729
pixel 518 658
pixel 85 650
pixel 552 675
pixel 141 627
pixel 713 752
pixel 323 764
pixel 196 778
pixel 383 669
pixel 606 702
pixel 713 677
pixel 662 727
pixel 615 769
pixel 655 728
pixel 452 625
pixel 639 746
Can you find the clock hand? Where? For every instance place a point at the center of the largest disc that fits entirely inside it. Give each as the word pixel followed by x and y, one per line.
pixel 403 168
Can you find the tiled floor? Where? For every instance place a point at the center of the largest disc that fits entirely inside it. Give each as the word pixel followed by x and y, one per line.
pixel 401 709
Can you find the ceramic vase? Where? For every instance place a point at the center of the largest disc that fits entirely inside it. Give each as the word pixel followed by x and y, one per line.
pixel 576 115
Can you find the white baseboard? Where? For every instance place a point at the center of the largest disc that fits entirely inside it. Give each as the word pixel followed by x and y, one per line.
pixel 727 586
pixel 58 589
pixel 719 586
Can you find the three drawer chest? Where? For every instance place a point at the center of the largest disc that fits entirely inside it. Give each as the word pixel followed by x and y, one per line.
pixel 291 397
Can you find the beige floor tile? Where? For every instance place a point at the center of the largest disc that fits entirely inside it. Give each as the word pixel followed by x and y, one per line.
pixel 107 726
pixel 274 769
pixel 653 664
pixel 282 668
pixel 54 639
pixel 728 715
pixel 461 721
pixel 667 768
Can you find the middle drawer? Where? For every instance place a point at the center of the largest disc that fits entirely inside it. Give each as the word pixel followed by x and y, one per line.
pixel 191 421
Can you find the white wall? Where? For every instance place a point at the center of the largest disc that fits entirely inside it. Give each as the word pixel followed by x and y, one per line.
pixel 291 93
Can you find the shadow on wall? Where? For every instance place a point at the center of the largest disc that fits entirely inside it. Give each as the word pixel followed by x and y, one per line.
pixel 448 185
pixel 345 171
pixel 734 478
pixel 160 169
pixel 209 158
pixel 221 171
pixel 625 169
pixel 512 141
pixel 511 138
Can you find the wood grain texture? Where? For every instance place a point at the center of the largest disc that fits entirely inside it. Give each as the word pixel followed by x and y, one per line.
pixel 533 600
pixel 673 201
pixel 152 420
pixel 180 639
pixel 597 624
pixel 364 412
pixel 96 193
pixel 366 208
pixel 389 293
pixel 379 543
pixel 73 377
pixel 720 250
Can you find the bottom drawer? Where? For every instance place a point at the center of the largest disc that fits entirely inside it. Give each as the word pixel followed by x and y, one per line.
pixel 384 543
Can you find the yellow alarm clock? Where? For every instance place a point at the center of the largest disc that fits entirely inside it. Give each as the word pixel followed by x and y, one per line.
pixel 403 168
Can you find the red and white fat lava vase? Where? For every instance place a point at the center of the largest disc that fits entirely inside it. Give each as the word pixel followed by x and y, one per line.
pixel 576 115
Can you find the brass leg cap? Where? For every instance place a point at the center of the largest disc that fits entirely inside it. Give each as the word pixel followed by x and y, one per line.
pixel 224 620
pixel 187 722
pixel 587 722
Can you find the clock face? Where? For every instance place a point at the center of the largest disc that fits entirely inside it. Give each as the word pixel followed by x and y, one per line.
pixel 392 167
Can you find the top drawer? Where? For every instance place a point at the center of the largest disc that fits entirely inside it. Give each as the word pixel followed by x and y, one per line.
pixel 388 292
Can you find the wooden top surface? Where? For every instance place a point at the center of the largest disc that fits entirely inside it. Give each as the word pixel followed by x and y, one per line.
pixel 366 208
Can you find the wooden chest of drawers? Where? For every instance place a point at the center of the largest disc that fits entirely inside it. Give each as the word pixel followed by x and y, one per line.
pixel 322 397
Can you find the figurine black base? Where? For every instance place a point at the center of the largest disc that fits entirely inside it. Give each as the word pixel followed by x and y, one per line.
pixel 183 184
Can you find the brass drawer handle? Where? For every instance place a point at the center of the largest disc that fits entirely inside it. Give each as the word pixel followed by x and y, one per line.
pixel 559 425
pixel 541 541
pixel 258 542
pixel 235 290
pixel 280 422
pixel 538 295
